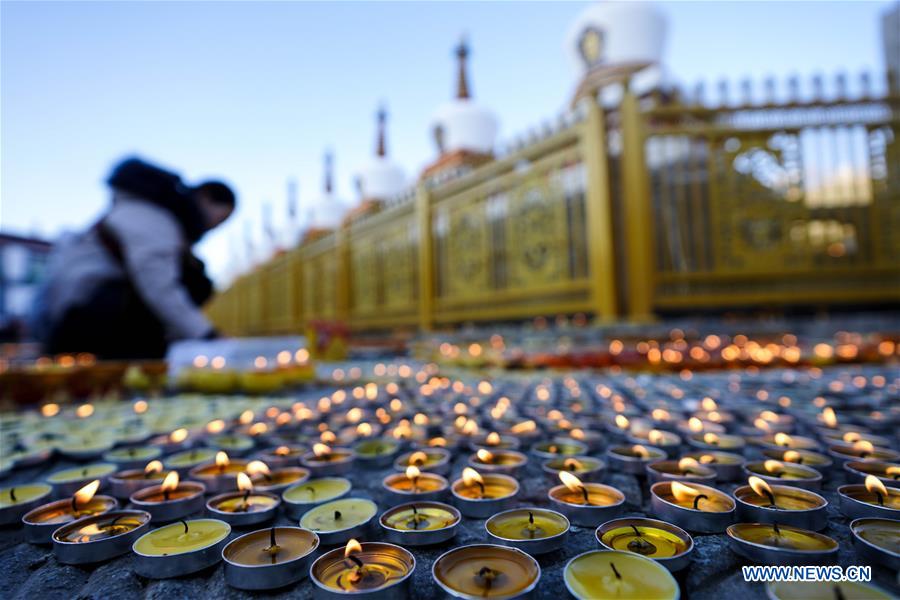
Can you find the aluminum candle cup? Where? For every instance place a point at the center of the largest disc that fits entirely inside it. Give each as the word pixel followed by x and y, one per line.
pixel 716 441
pixel 583 503
pixel 480 496
pixel 42 521
pixel 760 502
pixel 727 466
pixel 378 452
pixel 665 543
pixel 133 457
pixel 433 460
pixel 278 480
pixel 420 523
pixel 586 468
pixel 233 444
pixel 878 541
pixel 183 462
pixel 666 441
pixel 486 571
pixel 240 509
pixel 613 574
pixel 68 481
pixel 858 470
pixel 180 548
pixel 775 472
pixel 172 500
pixel 269 558
pixel 399 488
pixel 548 450
pixel 633 459
pixel 819 462
pixel 783 441
pixel 338 521
pixel 680 470
pixel 323 460
pixel 122 484
pixel 17 500
pixel 862 450
pixel 532 530
pixel 371 570
pixel 219 476
pixel 282 456
pixel 301 497
pixel 871 499
pixel 506 462
pixel 774 544
pixel 99 538
pixel 794 590
pixel 494 441
pixel 692 506
pixel 594 440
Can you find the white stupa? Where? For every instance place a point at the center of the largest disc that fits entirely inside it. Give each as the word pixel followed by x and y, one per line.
pixel 461 124
pixel 625 36
pixel 381 179
pixel 328 210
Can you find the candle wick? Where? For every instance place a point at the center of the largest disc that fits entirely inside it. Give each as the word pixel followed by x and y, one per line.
pixel 771 498
pixel 183 522
pixel 481 487
pixel 777 529
pixel 615 570
pixel 312 491
pixel 75 504
pixel 488 575
pixel 698 498
pixel 12 494
pixel 337 515
pixel 880 498
pixel 584 492
pixel 637 531
pixel 838 593
pixel 84 472
pixel 166 495
pixel 358 562
pixel 415 484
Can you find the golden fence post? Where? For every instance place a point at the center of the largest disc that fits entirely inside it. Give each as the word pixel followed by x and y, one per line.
pixel 598 210
pixel 343 274
pixel 426 257
pixel 639 222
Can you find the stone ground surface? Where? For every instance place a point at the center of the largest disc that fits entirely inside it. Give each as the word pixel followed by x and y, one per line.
pixel 31 572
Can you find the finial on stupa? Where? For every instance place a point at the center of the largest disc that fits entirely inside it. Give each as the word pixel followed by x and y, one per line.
pixel 329 176
pixel 381 143
pixel 462 84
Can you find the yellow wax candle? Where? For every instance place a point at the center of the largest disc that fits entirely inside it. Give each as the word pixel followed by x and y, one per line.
pixel 497 457
pixel 527 524
pixel 814 590
pixel 362 567
pixel 621 575
pixel 12 496
pixel 800 457
pixel 696 497
pixel 484 571
pixel 99 528
pixel 781 536
pixel 578 465
pixel 78 473
pixel 784 497
pixel 190 458
pixel 249 504
pixel 419 518
pixel 423 459
pixel 317 490
pixel 574 491
pixel 182 537
pixel 883 533
pixel 482 487
pixel 128 454
pixel 373 448
pixel 415 482
pixel 271 546
pixel 339 514
pixel 644 540
pixel 782 471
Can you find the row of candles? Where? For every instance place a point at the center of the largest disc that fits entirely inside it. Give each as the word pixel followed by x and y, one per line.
pixel 777 519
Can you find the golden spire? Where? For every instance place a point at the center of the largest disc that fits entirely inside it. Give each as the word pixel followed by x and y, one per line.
pixel 381 144
pixel 329 166
pixel 462 84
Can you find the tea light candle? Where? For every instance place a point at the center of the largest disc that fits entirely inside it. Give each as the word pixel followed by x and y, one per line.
pixel 183 462
pixel 339 520
pixel 301 497
pixel 819 462
pixel 585 468
pixel 613 574
pixel 89 447
pixel 123 484
pixel 583 503
pixel 234 444
pixel 686 469
pixel 775 544
pixel 486 571
pixel 507 462
pixel 180 548
pixel 68 481
pixel 413 485
pixel 533 530
pixel 763 503
pixel 171 500
pixel 42 521
pixel 324 460
pixel 269 558
pixel 797 590
pixel 633 459
pixel 871 499
pixel 479 496
pixel 244 507
pixel 282 456
pixel 15 501
pixel 99 538
pixel 863 450
pixel 433 460
pixel 371 568
pixel 783 441
pixel 495 441
pixel 275 482
pixel 888 473
pixel 777 472
pixel 420 523
pixel 376 452
pixel 692 506
pixel 547 450
pixel 133 457
pixel 726 465
pixel 173 442
pixel 665 543
pixel 220 476
pixel 665 440
pixel 877 540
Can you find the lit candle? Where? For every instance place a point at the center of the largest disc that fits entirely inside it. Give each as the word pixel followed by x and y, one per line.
pixel 585 503
pixel 547 450
pixel 888 473
pixel 871 499
pixel 692 506
pixel 132 457
pixel 726 465
pixel 282 456
pixel 775 471
pixel 534 530
pixel 665 543
pixel 420 523
pixel 269 558
pixel 585 468
pixel 180 548
pixel 716 441
pixel 507 462
pixel 123 484
pixel 361 569
pixel 486 571
pixel 494 441
pixel 613 574
pixel 877 540
pixel 479 496
pixel 40 522
pixel 685 469
pixel 232 443
pixel 267 480
pixel 15 501
pixel 774 544
pixel 339 520
pixel 173 499
pixel 376 452
pixel 817 461
pixel 862 449
pixel 433 460
pixel 783 441
pixel 244 507
pixel 782 504
pixel 413 485
pixel 99 538
pixel 633 459
pixel 325 460
pixel 220 476
pixel 301 497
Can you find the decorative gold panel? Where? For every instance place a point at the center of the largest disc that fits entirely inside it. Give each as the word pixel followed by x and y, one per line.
pixel 536 240
pixel 398 268
pixel 365 274
pixel 467 265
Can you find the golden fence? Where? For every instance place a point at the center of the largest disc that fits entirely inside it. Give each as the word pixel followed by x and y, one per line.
pixel 655 204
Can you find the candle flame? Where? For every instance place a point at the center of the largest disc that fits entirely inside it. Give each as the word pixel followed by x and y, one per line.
pixel 695 424
pixel 484 456
pixel 875 485
pixel 140 407
pixel 282 451
pixel 773 466
pixel 84 411
pixel 769 416
pixel 761 423
pixel 683 492
pixel 570 481
pixel 178 436
pixel 258 428
pixel 437 442
pixel 524 427
pixel 760 486
pixel 351 547
pixel 222 459
pixel 791 456
pixel 364 429
pixel 851 436
pixel 492 439
pixel 418 458
pixel 660 414
pixel 84 495
pixel 708 404
pixel 257 467
pixel 864 446
pixel 154 466
pixel 243 482
pixel 571 464
pixel 640 451
pixel 687 463
pixel 470 428
pixel 321 449
pixel 50 410
pixel 412 472
pixel 707 459
pixel 828 417
pixel 215 426
pixel 710 438
pixel 170 482
pixel 622 422
pixel 656 436
pixel 783 439
pixel 246 417
pixel 892 471
pixel 471 477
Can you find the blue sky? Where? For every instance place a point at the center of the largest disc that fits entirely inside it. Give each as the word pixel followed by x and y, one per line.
pixel 256 91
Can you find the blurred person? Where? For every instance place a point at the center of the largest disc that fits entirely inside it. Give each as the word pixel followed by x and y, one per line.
pixel 130 285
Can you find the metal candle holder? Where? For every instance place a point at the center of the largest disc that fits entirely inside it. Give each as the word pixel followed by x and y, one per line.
pixel 659 471
pixel 217 483
pixel 393 495
pixel 512 469
pixel 397 590
pixel 771 555
pixel 37 532
pixel 595 473
pixel 13 513
pixel 812 478
pixel 413 537
pixel 170 510
pixel 514 553
pixel 692 519
pixel 481 508
pixel 124 483
pixel 858 470
pixel 814 518
pixel 441 467
pixel 164 566
pixel 531 546
pixel 673 563
pixel 272 576
pixel 95 551
pixel 243 518
pixel 555 449
pixel 588 515
pixel 633 465
pixel 295 509
pixel 263 484
pixel 871 552
pixel 340 465
pixel 727 466
pixel 853 507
